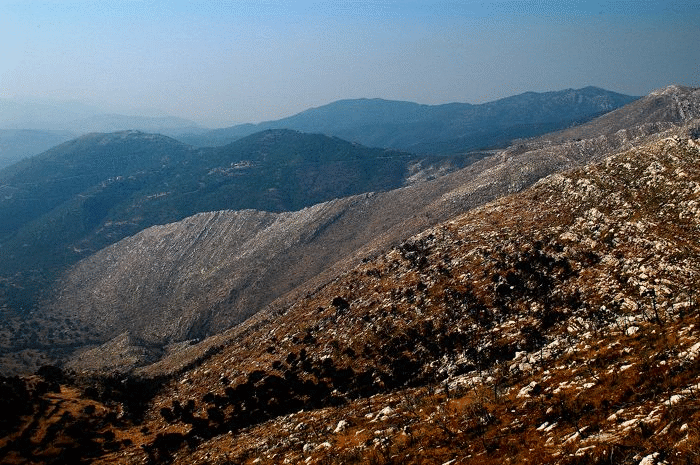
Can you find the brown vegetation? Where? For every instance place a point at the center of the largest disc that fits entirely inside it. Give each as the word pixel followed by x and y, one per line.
pixel 558 325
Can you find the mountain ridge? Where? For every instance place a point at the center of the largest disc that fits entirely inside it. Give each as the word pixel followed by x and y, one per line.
pixel 445 128
pixel 554 325
pixel 428 203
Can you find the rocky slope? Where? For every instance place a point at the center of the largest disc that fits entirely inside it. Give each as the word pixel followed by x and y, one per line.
pixel 562 333
pixel 555 325
pixel 161 270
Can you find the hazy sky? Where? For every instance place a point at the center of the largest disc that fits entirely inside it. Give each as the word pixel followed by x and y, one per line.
pixel 225 62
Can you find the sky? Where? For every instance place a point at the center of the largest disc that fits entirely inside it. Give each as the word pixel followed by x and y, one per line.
pixel 223 62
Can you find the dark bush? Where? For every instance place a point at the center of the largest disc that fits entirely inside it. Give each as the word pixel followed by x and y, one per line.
pixel 340 304
pixel 167 415
pixel 53 375
pixel 15 401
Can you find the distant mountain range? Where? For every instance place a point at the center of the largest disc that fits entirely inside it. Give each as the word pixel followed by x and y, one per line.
pixel 79 119
pixel 31 127
pixel 438 129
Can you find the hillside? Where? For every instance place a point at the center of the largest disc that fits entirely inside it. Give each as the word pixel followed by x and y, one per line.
pixel 54 199
pixel 438 129
pixel 529 310
pixel 94 190
pixel 76 199
pixel 555 325
pixel 37 185
pixel 163 269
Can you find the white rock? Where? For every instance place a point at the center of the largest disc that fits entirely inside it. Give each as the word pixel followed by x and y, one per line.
pixel 525 392
pixel 632 330
pixel 342 426
pixel 582 451
pixel 308 447
pixel 693 351
pixel 649 459
pixel 572 438
pixel 551 427
pixel 629 423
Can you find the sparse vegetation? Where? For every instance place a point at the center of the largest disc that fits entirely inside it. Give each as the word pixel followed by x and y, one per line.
pixel 555 326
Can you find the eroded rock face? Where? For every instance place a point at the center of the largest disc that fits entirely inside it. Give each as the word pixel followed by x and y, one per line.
pixel 171 266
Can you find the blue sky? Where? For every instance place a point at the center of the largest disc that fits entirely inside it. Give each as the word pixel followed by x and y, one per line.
pixel 226 62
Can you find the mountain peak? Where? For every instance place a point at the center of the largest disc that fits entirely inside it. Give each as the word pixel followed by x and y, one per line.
pixel 673 89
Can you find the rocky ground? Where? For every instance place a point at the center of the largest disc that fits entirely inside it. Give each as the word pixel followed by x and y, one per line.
pixel 557 325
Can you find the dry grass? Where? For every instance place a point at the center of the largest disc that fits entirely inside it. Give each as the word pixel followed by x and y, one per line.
pixel 558 326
